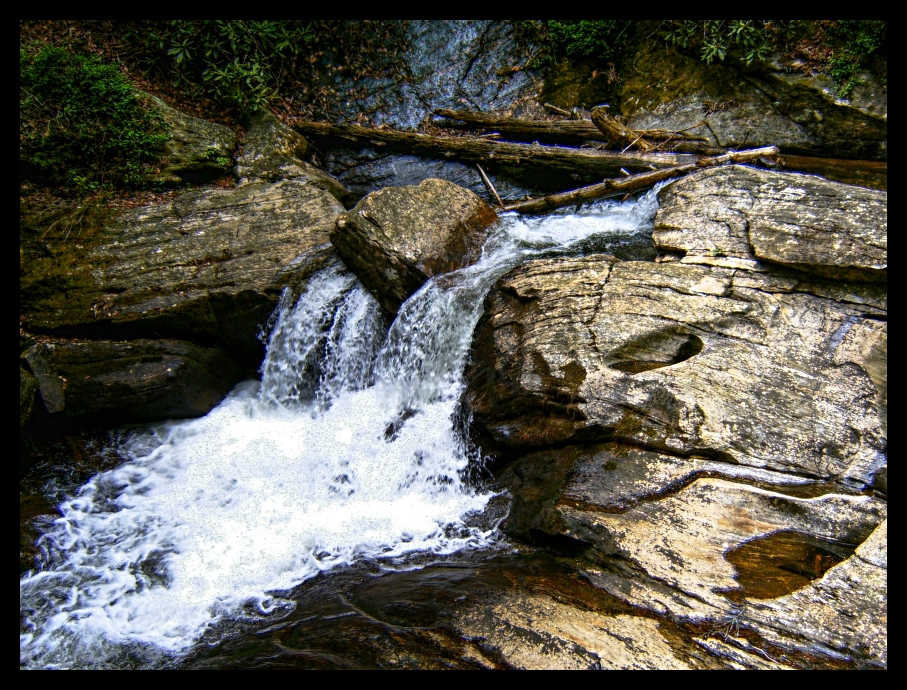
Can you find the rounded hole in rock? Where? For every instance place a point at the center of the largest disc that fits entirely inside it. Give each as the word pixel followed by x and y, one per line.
pixel 777 564
pixel 663 350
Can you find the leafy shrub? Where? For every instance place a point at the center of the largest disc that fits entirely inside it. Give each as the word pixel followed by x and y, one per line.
pixel 236 62
pixel 838 47
pixel 594 39
pixel 714 37
pixel 598 39
pixel 81 123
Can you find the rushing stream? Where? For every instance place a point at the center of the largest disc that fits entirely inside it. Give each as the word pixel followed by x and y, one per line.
pixel 350 449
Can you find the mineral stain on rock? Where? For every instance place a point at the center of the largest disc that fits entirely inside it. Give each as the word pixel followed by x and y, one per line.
pixel 780 563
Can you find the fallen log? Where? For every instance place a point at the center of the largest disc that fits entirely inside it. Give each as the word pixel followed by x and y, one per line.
pixel 622 137
pixel 571 161
pixel 635 183
pixel 566 131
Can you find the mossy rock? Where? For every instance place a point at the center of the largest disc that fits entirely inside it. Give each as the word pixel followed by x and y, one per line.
pixel 198 150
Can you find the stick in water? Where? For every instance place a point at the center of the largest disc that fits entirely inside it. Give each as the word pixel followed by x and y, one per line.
pixel 634 183
pixel 490 186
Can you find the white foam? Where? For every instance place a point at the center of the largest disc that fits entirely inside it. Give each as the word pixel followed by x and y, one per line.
pixel 347 450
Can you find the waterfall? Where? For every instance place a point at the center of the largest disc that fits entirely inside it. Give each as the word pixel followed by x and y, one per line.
pixel 349 449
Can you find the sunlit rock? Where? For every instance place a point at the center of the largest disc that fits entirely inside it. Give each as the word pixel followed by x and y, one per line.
pixel 397 238
pixel 736 217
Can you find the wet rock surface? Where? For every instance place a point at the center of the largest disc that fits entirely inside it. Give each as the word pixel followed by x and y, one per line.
pixel 366 171
pixel 758 105
pixel 663 420
pixel 449 63
pixel 198 150
pixel 397 238
pixel 207 267
pixel 675 431
pixel 106 383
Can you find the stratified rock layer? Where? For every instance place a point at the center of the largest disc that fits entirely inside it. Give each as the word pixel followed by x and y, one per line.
pixel 684 359
pixel 272 151
pixel 397 238
pixel 207 267
pixel 734 216
pixel 664 420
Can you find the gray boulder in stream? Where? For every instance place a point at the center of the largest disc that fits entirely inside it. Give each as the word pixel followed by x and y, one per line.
pixel 709 432
pixel 397 238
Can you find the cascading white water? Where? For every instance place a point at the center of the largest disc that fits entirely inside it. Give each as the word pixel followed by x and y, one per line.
pixel 349 449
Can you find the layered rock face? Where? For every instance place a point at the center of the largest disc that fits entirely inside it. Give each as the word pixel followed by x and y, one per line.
pixel 736 216
pixel 272 151
pixel 206 268
pixel 665 419
pixel 397 238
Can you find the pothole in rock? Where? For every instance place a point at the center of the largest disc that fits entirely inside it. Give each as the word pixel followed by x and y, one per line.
pixel 778 564
pixel 656 351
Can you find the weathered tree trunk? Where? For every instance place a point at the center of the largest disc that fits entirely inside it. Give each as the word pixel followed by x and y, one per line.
pixel 587 162
pixel 634 183
pixel 622 137
pixel 617 133
pixel 565 131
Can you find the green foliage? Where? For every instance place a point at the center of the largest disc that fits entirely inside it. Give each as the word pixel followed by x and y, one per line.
pixel 217 158
pixel 598 39
pixel 857 39
pixel 81 123
pixel 236 62
pixel 714 37
pixel 594 39
pixel 838 47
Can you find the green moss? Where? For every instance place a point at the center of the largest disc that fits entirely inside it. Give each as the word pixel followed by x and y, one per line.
pixel 56 285
pixel 81 123
pixel 856 39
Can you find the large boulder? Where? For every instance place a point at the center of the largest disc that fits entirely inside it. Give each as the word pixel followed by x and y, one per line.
pixel 197 150
pixel 757 105
pixel 738 215
pixel 272 151
pixel 397 238
pixel 107 383
pixel 744 366
pixel 708 433
pixel 208 266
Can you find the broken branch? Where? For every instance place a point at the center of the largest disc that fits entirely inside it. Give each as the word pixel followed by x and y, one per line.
pixel 634 183
pixel 489 185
